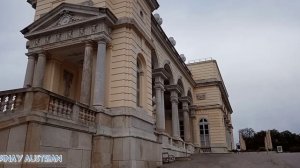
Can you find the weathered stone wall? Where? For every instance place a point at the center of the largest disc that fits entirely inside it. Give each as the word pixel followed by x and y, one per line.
pixel 216 127
pixel 211 96
pixel 126 46
pixel 75 146
pixel 210 99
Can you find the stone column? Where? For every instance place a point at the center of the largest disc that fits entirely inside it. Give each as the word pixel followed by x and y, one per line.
pixel 160 108
pixel 175 116
pixel 86 81
pixel 99 87
pixel 29 71
pixel 186 121
pixel 39 71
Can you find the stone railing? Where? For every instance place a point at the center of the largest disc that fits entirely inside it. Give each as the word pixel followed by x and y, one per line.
pixel 60 107
pixel 38 101
pixel 11 100
pixel 176 144
pixel 87 116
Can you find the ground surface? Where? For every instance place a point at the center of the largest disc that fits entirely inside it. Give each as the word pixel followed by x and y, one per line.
pixel 242 160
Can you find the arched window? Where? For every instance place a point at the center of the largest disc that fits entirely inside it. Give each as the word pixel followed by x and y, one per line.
pixel 140 80
pixel 204 133
pixel 138 83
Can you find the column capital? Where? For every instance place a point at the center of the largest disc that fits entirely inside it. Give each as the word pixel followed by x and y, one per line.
pixel 186 99
pixel 88 43
pixel 174 97
pixel 159 73
pixel 173 88
pixel 40 52
pixel 185 106
pixel 31 54
pixel 103 39
pixel 174 100
pixel 159 86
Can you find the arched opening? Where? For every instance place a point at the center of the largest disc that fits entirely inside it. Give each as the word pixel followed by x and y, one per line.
pixel 167 99
pixel 140 70
pixel 204 133
pixel 154 65
pixel 190 96
pixel 180 107
pixel 190 103
pixel 154 60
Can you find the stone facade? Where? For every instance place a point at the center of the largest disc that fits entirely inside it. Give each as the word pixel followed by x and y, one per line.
pixel 105 86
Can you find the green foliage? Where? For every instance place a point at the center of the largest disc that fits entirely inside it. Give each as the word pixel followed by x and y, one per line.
pixel 255 141
pixel 290 142
pixel 247 132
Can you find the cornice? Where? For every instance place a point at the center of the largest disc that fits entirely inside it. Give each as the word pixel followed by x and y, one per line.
pixel 220 85
pixel 208 107
pixel 110 17
pixel 32 3
pixel 153 4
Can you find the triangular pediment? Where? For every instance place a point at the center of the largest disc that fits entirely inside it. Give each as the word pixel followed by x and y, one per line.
pixel 66 15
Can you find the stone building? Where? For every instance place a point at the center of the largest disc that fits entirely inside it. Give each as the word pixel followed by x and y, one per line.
pixel 106 87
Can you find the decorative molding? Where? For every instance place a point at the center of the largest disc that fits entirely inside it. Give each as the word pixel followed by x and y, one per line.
pixel 186 99
pixel 201 96
pixel 69 23
pixel 68 18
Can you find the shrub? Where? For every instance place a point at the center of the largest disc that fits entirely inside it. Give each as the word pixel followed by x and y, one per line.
pixel 294 149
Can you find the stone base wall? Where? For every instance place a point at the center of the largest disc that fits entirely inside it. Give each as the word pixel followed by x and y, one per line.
pixel 219 148
pixel 135 152
pixel 125 152
pixel 36 138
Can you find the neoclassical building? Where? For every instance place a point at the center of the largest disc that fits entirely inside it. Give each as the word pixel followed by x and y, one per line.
pixel 106 87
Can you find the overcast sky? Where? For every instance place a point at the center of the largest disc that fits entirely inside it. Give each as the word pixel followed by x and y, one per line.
pixel 256 44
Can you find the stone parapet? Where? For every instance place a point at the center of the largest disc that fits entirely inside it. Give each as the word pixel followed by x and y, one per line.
pixel 39 105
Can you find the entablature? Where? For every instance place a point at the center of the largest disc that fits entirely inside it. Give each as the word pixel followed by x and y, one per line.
pixel 69 24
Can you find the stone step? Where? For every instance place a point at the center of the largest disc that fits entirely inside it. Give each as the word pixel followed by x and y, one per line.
pixel 183 158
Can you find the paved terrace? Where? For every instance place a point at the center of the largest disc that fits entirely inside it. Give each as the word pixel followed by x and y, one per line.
pixel 242 160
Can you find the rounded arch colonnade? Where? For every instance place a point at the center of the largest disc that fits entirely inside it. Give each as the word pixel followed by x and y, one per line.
pixel 172 105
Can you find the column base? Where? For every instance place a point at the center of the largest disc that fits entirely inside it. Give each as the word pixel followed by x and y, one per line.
pixel 177 138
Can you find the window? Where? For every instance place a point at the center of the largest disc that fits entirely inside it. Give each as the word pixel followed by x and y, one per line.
pixel 204 133
pixel 138 84
pixel 140 80
pixel 141 13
